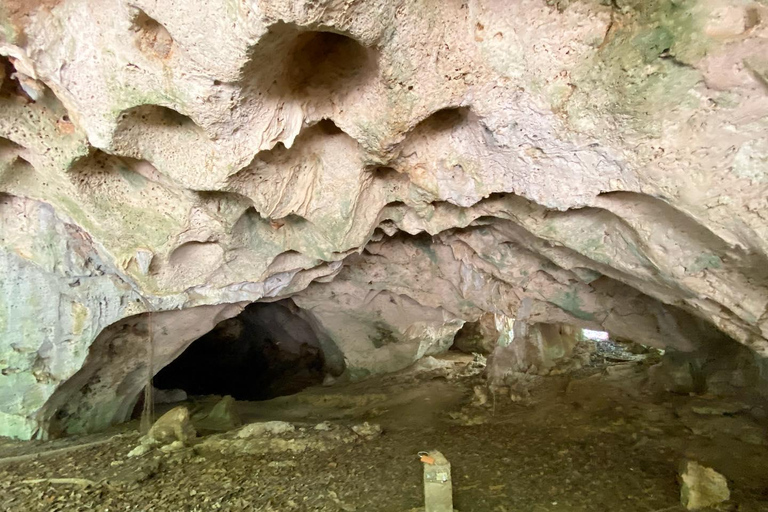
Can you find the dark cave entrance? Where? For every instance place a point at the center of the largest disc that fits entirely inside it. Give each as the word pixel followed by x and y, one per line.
pixel 266 351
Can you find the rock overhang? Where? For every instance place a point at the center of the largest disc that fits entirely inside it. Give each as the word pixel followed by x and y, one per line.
pixel 393 169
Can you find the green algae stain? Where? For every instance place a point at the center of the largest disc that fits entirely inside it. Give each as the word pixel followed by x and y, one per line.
pixel 705 260
pixel 133 178
pixel 594 248
pixel 653 43
pixel 382 335
pixel 643 70
pixel 425 245
pixel 571 302
pixel 358 373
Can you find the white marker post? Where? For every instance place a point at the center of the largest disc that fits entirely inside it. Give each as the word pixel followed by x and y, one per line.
pixel 438 490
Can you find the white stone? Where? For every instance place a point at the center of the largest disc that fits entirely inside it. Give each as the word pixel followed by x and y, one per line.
pixel 267 427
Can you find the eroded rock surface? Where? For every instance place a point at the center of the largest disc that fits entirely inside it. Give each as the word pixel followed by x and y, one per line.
pixel 396 169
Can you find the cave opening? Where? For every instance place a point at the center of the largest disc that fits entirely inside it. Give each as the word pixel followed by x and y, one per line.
pixel 266 351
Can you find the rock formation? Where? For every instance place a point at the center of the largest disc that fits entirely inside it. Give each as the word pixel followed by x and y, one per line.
pixel 395 168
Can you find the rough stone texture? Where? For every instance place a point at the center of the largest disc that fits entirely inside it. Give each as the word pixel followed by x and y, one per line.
pixel 397 168
pixel 173 426
pixel 717 369
pixel 701 486
pixel 223 416
pixel 267 427
pixel 543 346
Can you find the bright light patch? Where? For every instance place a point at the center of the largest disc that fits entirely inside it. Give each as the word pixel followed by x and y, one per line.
pixel 595 335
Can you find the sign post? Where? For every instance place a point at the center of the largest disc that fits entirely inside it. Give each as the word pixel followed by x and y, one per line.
pixel 438 489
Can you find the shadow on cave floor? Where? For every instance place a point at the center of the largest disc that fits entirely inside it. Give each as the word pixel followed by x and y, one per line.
pixel 596 436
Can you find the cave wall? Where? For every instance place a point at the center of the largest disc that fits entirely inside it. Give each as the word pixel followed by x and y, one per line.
pixel 397 169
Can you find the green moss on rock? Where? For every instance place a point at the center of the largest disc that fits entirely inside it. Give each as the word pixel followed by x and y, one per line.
pixel 571 302
pixel 644 68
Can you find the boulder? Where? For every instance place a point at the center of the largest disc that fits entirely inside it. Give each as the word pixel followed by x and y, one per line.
pixel 701 486
pixel 223 416
pixel 174 425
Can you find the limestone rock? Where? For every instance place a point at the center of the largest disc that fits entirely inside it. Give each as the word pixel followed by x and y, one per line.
pixel 172 447
pixel 175 425
pixel 140 449
pixel 367 430
pixel 223 416
pixel 537 350
pixel 720 369
pixel 702 486
pixel 267 427
pixel 718 407
pixel 429 363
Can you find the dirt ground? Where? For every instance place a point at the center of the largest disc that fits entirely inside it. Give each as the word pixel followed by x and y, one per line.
pixel 591 440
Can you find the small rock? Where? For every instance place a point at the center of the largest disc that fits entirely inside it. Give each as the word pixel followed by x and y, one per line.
pixel 282 464
pixel 140 450
pixel 173 447
pixel 323 427
pixel 702 486
pixel 367 430
pixel 480 396
pixel 268 427
pixel 718 408
pixel 465 419
pixel 173 426
pixel 430 363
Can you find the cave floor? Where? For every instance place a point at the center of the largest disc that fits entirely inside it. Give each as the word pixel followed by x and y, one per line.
pixel 592 440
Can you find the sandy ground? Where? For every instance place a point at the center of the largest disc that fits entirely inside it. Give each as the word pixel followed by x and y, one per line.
pixel 593 440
